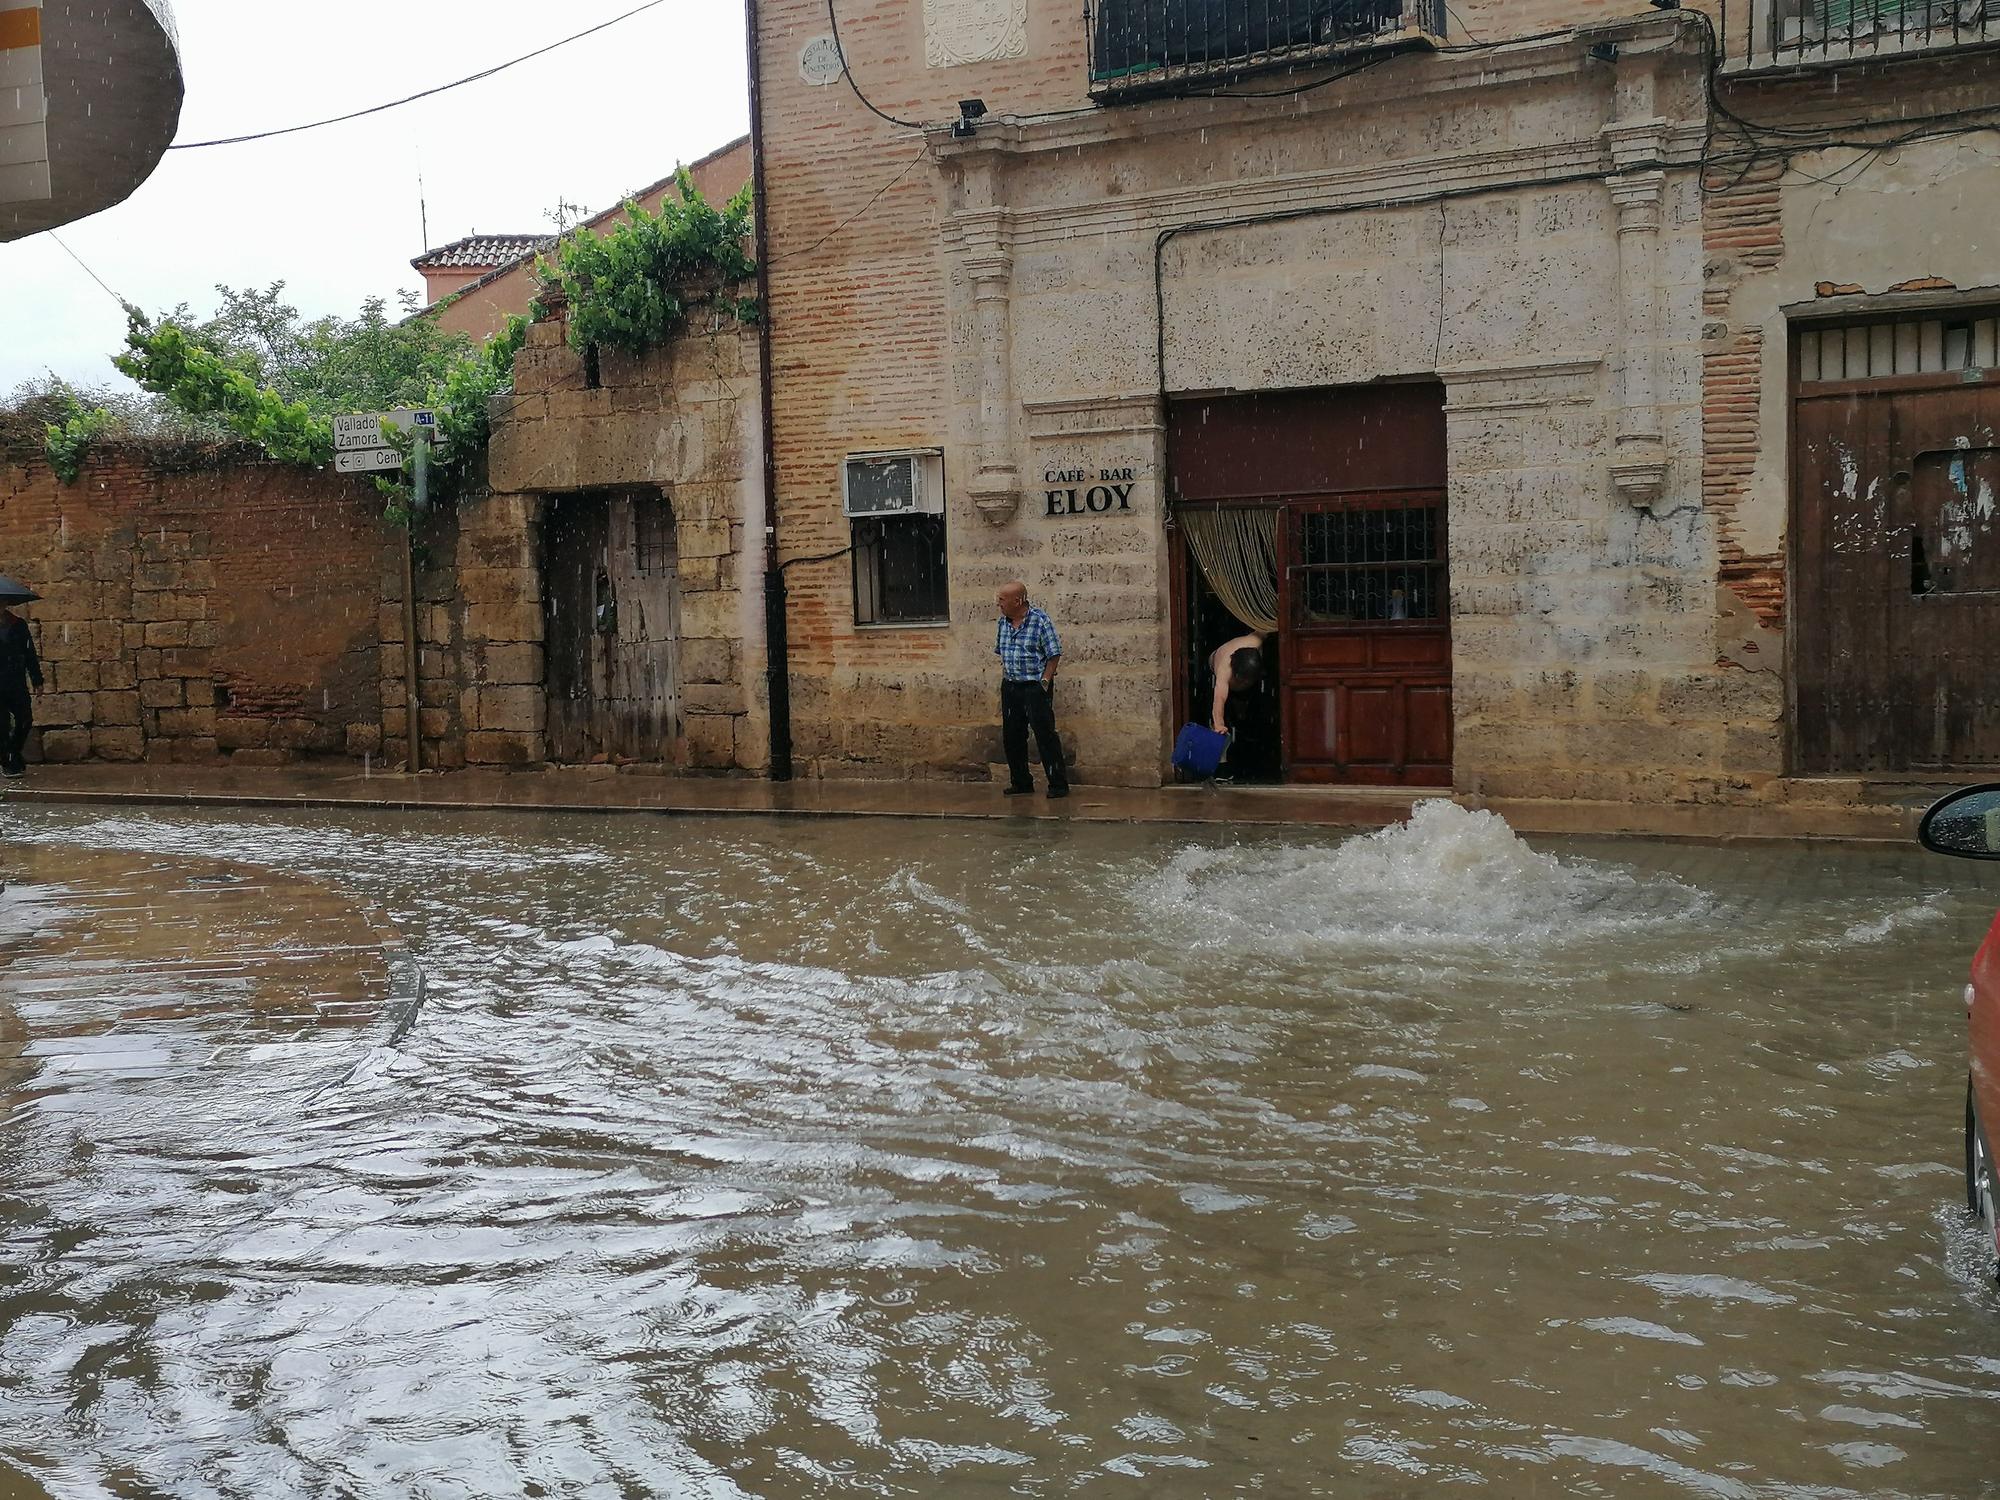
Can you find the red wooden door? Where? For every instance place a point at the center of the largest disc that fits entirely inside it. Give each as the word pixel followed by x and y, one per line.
pixel 1365 639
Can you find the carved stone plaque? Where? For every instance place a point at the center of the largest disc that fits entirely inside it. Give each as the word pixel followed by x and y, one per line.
pixel 819 61
pixel 973 31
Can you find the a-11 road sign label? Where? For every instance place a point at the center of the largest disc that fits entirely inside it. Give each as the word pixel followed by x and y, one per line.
pixel 363 429
pixel 366 460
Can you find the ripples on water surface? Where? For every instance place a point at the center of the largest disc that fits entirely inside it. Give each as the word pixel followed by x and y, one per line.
pixel 735 1157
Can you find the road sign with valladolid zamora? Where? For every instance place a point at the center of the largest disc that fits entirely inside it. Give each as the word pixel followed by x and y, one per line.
pixel 357 438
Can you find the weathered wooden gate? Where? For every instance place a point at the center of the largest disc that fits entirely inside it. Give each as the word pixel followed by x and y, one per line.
pixel 611 606
pixel 1897 510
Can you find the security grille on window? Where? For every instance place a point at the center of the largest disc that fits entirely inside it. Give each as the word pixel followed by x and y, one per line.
pixel 895 506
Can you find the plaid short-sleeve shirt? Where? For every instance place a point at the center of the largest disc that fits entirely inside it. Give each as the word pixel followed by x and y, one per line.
pixel 1026 648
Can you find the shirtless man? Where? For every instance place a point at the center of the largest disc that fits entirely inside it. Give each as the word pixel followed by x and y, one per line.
pixel 1232 675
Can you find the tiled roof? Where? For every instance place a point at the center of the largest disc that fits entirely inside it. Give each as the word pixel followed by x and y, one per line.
pixel 478 252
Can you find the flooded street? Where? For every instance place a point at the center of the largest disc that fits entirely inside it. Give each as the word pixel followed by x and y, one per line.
pixel 742 1157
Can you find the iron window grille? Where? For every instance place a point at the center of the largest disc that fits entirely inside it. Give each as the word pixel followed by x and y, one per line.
pixel 1370 564
pixel 1785 33
pixel 653 543
pixel 900 570
pixel 1139 46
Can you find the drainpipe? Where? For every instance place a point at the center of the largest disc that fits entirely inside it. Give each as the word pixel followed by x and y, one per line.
pixel 777 639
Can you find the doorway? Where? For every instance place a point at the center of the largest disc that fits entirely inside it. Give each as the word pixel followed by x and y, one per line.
pixel 611 614
pixel 1896 506
pixel 1320 518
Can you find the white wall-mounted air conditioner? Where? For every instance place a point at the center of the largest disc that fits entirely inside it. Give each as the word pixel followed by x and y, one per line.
pixel 909 482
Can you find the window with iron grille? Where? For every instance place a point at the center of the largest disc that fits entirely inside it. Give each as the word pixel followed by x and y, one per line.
pixel 1370 564
pixel 1829 30
pixel 899 570
pixel 1138 42
pixel 652 533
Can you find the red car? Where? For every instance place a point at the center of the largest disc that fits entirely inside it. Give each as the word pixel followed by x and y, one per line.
pixel 1967 824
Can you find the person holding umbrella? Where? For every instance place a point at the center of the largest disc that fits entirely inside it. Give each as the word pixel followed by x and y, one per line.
pixel 19 667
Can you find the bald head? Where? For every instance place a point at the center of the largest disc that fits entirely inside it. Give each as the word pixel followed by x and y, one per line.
pixel 1013 600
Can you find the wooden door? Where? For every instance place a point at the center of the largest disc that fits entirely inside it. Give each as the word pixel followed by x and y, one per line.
pixel 1365 639
pixel 1897 505
pixel 611 605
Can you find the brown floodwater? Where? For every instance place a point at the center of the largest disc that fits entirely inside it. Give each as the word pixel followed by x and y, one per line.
pixel 737 1157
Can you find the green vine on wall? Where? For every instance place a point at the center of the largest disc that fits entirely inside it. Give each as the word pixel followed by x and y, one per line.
pixel 630 288
pixel 69 440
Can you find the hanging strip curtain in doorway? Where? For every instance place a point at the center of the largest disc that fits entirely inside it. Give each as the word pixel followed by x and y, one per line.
pixel 1237 550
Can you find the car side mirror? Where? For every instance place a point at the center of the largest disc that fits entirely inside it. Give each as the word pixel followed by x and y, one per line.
pixel 1965 824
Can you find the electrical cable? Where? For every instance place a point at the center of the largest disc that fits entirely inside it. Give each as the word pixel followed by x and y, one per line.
pixel 122 303
pixel 833 23
pixel 265 135
pixel 860 212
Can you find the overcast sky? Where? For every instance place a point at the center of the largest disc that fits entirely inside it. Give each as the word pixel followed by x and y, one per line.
pixel 333 212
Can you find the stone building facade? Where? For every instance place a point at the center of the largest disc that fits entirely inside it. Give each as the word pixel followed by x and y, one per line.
pixel 1106 297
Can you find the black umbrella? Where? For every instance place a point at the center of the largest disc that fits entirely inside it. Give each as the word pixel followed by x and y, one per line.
pixel 12 592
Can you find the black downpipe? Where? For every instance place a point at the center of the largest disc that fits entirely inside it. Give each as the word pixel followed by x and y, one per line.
pixel 777 634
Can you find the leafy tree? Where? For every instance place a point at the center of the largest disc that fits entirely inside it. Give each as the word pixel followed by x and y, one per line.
pixel 330 365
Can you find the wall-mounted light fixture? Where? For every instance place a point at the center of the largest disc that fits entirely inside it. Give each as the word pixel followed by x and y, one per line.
pixel 970 112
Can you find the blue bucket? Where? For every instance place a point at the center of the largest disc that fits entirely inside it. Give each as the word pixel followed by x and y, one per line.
pixel 1199 750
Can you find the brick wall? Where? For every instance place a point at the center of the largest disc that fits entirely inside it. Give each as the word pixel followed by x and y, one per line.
pixel 199 613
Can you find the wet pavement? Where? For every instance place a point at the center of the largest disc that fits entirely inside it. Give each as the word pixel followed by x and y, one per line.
pixel 118 967
pixel 779 1158
pixel 1832 808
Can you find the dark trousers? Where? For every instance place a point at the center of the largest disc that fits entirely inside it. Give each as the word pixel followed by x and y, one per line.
pixel 17 717
pixel 1025 706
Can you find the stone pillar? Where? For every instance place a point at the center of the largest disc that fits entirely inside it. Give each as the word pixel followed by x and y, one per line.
pixel 1638 189
pixel 996 489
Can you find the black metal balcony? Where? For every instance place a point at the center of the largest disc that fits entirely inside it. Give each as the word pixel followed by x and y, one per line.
pixel 1146 46
pixel 1761 34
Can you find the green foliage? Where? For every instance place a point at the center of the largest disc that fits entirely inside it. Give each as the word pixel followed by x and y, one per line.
pixel 255 371
pixel 329 365
pixel 170 361
pixel 630 288
pixel 68 440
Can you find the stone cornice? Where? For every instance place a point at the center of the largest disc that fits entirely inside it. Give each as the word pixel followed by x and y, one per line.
pixel 1374 182
pixel 1436 73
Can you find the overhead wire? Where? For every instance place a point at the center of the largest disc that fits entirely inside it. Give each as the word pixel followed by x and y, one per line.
pixel 122 302
pixel 376 109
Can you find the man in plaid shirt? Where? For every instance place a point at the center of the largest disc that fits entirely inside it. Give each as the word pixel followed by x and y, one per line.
pixel 1029 651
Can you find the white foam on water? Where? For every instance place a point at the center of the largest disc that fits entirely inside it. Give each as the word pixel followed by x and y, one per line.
pixel 1449 877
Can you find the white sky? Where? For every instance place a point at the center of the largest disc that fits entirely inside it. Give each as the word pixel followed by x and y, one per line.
pixel 333 212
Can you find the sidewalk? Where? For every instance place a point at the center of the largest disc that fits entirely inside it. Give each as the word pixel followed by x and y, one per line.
pixel 603 789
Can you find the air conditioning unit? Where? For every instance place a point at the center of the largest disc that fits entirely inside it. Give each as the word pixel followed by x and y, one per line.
pixel 905 483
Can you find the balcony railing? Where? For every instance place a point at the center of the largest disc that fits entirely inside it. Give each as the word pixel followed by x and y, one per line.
pixel 1802 33
pixel 1143 46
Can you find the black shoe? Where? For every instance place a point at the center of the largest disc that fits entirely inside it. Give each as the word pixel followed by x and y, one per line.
pixel 1059 791
pixel 1017 791
pixel 13 770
